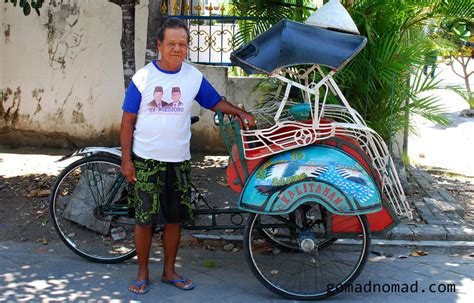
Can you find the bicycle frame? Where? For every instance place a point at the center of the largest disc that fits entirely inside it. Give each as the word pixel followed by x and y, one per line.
pixel 211 214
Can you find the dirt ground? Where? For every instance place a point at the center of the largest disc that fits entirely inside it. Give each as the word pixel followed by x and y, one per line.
pixel 24 208
pixel 24 196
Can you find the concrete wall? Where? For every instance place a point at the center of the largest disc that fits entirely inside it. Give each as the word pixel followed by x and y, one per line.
pixel 62 80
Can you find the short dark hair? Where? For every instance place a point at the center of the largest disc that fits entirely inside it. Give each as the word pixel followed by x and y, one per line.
pixel 171 23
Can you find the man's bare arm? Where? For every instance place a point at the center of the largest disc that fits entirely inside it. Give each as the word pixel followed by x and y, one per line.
pixel 126 139
pixel 228 108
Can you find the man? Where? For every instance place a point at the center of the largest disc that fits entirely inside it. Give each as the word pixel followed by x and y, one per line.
pixel 157 98
pixel 158 169
pixel 176 96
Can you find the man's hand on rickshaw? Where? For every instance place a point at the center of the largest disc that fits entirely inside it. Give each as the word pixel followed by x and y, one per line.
pixel 128 170
pixel 248 120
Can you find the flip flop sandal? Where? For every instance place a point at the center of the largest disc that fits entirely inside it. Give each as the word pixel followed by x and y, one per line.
pixel 139 284
pixel 175 283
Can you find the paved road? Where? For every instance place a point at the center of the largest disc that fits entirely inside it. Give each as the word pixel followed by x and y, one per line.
pixel 34 272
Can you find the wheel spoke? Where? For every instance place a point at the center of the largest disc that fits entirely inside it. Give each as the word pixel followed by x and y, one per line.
pixel 84 192
pixel 309 260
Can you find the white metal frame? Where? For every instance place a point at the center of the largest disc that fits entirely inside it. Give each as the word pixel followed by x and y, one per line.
pixel 284 133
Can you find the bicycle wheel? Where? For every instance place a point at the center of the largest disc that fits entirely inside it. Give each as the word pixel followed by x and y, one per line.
pixel 306 263
pixel 88 206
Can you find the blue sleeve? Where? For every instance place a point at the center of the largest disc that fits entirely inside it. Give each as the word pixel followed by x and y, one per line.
pixel 132 100
pixel 207 96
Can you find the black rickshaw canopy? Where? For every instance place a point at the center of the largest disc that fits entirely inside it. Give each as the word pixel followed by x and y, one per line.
pixel 292 43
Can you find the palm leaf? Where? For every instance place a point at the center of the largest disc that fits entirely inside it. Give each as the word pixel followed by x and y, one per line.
pixel 266 13
pixel 457 8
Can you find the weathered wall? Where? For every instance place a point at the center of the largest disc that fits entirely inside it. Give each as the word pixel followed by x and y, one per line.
pixel 61 74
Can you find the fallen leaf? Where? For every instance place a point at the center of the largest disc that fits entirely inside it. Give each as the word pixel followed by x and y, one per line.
pixel 377 253
pixel 209 264
pixel 418 253
pixel 43 193
pixel 42 240
pixel 222 183
pixel 209 247
pixel 32 194
pixel 40 214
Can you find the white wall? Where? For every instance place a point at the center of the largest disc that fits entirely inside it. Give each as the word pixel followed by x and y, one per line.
pixel 62 72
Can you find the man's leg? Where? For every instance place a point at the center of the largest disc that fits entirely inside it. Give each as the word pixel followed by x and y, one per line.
pixel 177 210
pixel 143 237
pixel 171 238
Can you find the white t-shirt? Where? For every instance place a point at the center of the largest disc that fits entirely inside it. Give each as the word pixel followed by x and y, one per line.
pixel 162 101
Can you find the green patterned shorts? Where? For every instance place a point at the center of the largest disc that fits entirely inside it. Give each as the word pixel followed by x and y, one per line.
pixel 162 193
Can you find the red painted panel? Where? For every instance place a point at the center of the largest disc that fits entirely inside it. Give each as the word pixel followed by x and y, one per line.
pixel 233 173
pixel 346 224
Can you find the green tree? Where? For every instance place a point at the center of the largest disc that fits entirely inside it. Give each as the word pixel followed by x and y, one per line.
pixel 384 81
pixel 396 50
pixel 386 73
pixel 458 47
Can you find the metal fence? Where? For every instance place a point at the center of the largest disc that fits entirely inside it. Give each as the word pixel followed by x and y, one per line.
pixel 212 29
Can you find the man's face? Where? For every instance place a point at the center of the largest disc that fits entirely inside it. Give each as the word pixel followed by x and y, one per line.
pixel 175 96
pixel 157 96
pixel 174 47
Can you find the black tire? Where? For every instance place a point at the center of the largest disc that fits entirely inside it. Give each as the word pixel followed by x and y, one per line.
pixel 286 278
pixel 77 205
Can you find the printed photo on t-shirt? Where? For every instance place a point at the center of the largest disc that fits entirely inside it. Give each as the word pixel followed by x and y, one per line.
pixel 161 106
pixel 157 101
pixel 176 96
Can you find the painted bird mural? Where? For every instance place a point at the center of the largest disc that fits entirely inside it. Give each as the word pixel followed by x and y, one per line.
pixel 348 179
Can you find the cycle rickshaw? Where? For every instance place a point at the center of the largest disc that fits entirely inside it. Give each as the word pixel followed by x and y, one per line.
pixel 314 179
